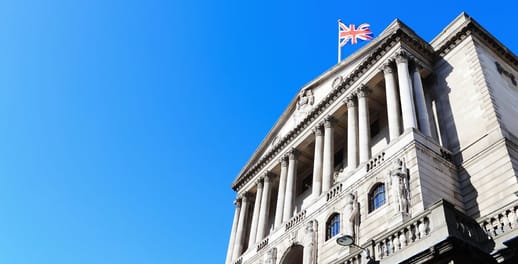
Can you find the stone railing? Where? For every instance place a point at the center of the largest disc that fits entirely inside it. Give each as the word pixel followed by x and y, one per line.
pixel 414 230
pixel 295 220
pixel 337 189
pixel 353 259
pixel 501 222
pixel 262 244
pixel 375 161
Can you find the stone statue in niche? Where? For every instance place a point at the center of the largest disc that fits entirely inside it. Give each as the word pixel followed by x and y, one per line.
pixel 399 186
pixel 271 256
pixel 351 215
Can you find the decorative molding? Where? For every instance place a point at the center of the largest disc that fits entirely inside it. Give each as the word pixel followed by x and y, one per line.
pixel 363 91
pixel 472 28
pixel 383 46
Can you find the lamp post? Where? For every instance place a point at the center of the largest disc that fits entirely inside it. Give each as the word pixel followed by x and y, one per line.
pixel 347 240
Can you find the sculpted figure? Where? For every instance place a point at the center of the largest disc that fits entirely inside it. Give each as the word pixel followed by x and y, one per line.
pixel 351 215
pixel 309 242
pixel 399 185
pixel 305 98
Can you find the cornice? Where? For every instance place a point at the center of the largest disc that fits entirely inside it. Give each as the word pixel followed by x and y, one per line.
pixel 401 34
pixel 472 28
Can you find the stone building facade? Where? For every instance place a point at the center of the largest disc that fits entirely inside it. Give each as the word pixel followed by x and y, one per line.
pixel 409 149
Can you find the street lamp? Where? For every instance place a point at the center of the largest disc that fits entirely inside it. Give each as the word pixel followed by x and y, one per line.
pixel 347 240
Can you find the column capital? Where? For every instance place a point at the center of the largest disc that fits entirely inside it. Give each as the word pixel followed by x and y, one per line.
pixel 259 182
pixel 267 177
pixel 237 202
pixel 349 101
pixel 387 68
pixel 318 130
pixel 328 121
pixel 363 91
pixel 417 66
pixel 292 154
pixel 245 197
pixel 283 160
pixel 402 57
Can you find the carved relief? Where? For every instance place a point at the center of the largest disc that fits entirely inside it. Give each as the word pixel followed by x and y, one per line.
pixel 337 81
pixel 399 186
pixel 271 256
pixel 304 104
pixel 306 99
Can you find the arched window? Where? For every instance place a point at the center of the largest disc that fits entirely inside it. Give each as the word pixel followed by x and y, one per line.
pixel 376 197
pixel 333 226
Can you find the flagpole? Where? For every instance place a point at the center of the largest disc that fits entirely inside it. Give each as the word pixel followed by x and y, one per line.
pixel 339 55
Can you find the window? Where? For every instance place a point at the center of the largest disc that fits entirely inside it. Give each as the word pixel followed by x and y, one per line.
pixel 377 197
pixel 333 226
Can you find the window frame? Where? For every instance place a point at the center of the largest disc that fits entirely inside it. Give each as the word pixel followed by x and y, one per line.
pixel 377 192
pixel 332 226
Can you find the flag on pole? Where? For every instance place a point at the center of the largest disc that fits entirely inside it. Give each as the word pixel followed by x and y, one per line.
pixel 351 33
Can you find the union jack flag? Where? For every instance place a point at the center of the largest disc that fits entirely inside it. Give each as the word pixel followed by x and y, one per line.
pixel 351 33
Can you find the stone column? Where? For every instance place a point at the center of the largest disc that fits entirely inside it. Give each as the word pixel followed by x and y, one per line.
pixel 317 164
pixel 352 134
pixel 238 246
pixel 392 102
pixel 255 214
pixel 405 92
pixel 237 203
pixel 290 186
pixel 422 110
pixel 363 124
pixel 282 191
pixel 265 208
pixel 329 155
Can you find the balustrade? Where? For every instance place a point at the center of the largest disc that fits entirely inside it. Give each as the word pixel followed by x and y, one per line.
pixel 335 191
pixel 501 222
pixel 295 220
pixel 408 234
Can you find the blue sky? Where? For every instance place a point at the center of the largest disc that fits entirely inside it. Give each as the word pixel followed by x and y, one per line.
pixel 123 123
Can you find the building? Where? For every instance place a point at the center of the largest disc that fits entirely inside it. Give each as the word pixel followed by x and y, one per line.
pixel 407 149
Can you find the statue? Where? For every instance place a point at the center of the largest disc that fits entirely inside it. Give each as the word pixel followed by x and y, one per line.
pixel 309 242
pixel 351 216
pixel 399 186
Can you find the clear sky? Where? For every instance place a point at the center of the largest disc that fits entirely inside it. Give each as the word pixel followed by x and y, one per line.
pixel 123 123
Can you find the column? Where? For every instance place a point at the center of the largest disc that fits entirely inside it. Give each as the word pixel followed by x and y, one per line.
pixel 282 191
pixel 352 134
pixel 238 246
pixel 405 92
pixel 255 214
pixel 290 186
pixel 392 102
pixel 237 203
pixel 317 163
pixel 265 208
pixel 329 155
pixel 363 124
pixel 422 111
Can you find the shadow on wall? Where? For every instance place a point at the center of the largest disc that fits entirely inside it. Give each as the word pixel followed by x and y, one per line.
pixel 450 138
